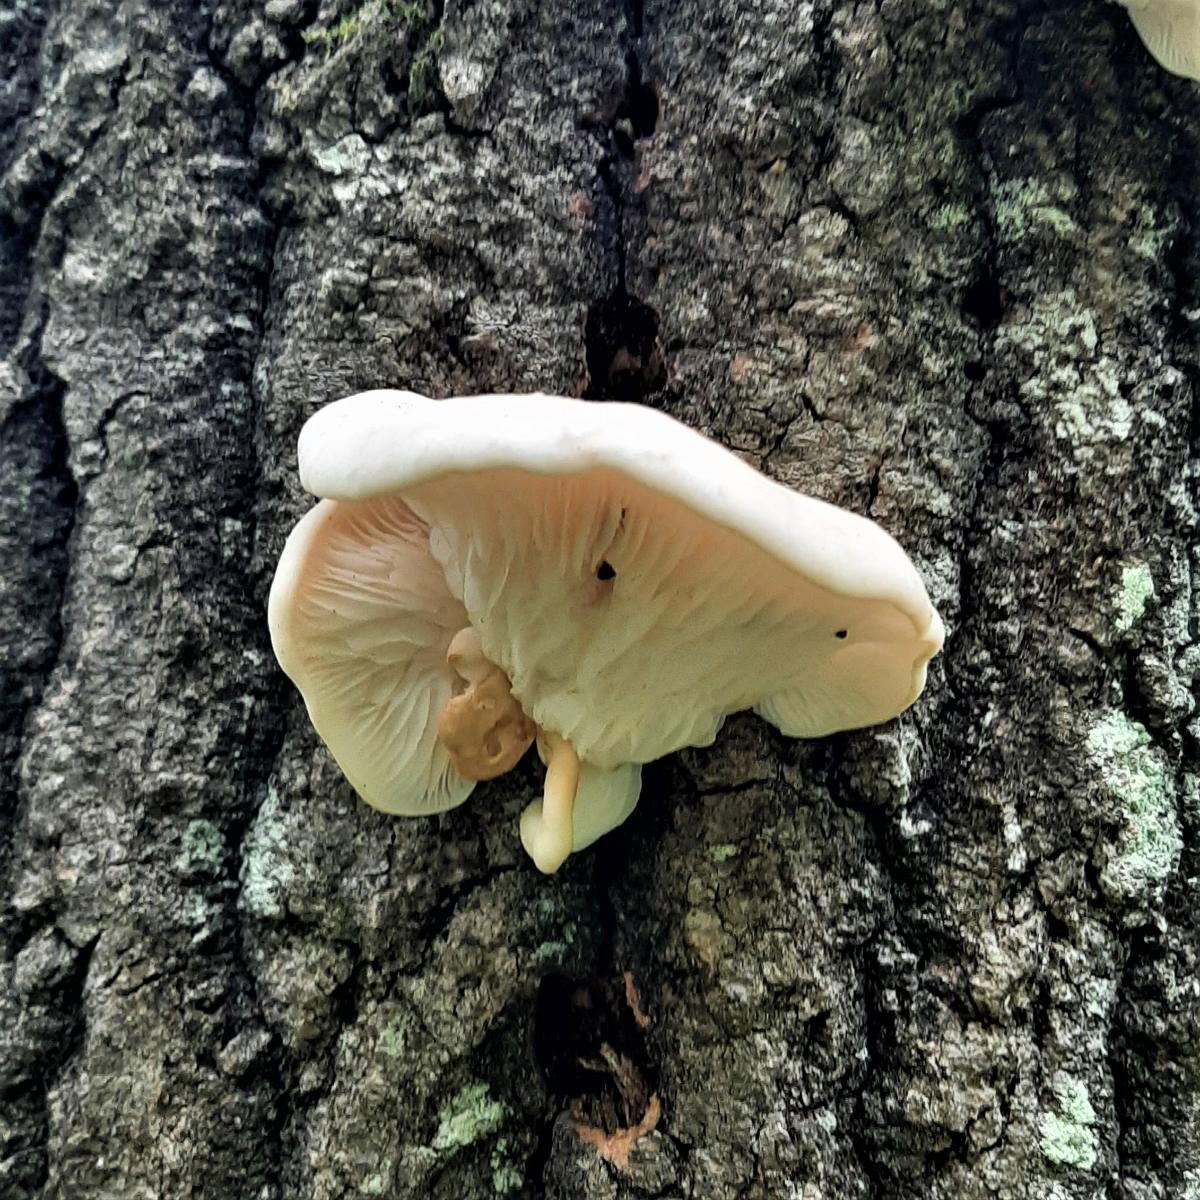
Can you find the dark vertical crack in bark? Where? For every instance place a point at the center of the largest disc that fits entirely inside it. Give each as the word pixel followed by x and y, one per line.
pixel 624 357
pixel 983 306
pixel 42 492
pixel 34 449
pixel 591 1053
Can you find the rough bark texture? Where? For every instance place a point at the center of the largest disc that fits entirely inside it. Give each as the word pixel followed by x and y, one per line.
pixel 937 263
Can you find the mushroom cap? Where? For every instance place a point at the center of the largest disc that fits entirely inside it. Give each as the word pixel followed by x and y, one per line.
pixel 1170 30
pixel 635 581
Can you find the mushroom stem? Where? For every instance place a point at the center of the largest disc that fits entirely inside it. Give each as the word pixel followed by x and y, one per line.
pixel 547 826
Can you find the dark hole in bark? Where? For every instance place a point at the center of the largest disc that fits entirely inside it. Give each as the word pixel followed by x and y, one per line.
pixel 635 13
pixel 982 302
pixel 605 572
pixel 975 371
pixel 591 1050
pixel 624 359
pixel 16 246
pixel 639 104
pixel 841 633
pixel 393 84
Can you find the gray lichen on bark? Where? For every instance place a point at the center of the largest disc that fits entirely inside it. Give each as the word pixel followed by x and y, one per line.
pixel 935 263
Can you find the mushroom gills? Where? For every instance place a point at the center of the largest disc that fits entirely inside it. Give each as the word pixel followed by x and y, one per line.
pixel 1170 30
pixel 359 614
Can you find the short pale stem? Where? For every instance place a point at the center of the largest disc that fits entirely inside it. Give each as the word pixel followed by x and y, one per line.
pixel 562 781
pixel 548 828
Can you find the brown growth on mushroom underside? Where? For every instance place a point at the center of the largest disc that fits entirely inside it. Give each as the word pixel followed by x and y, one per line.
pixel 485 731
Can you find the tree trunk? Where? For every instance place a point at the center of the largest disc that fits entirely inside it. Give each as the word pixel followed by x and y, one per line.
pixel 937 264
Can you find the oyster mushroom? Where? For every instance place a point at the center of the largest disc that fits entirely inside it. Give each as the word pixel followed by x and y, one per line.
pixel 622 581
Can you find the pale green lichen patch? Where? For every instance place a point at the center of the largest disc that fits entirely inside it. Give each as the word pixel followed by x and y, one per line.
pixel 556 950
pixel 950 216
pixel 201 849
pixel 1091 414
pixel 1058 329
pixel 414 17
pixel 563 934
pixel 469 1116
pixel 342 30
pixel 392 1040
pixel 1149 238
pixel 266 873
pixel 422 72
pixel 409 13
pixel 198 915
pixel 1021 205
pixel 1137 588
pixel 1139 779
pixel 1066 1136
pixel 1068 370
pixel 506 1176
pixel 349 155
pixel 1083 386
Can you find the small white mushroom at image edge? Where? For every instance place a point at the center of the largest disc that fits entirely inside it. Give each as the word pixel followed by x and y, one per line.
pixel 485 573
pixel 1170 30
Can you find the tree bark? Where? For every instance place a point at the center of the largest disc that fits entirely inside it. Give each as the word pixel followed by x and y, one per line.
pixel 936 263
